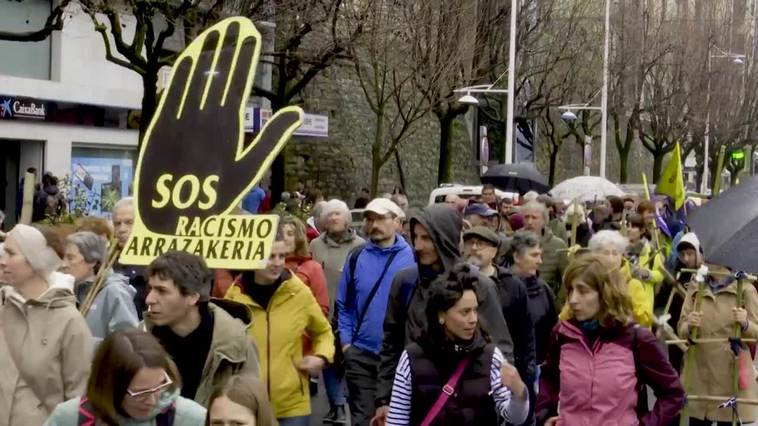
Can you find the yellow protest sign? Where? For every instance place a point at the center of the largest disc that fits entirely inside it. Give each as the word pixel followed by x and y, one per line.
pixel 194 167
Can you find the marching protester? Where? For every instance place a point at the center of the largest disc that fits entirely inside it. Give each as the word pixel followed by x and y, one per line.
pixel 689 256
pixel 112 307
pixel 526 255
pixel 241 401
pixel 575 214
pixel 455 353
pixel 713 362
pixel 207 339
pixel 489 198
pixel 123 222
pixel 646 264
pixel 133 383
pixel 45 344
pixel 436 236
pixel 480 247
pixel 300 262
pixel 612 246
pixel 331 250
pixel 598 360
pixel 480 214
pixel 362 301
pixel 456 202
pixel 554 249
pixel 284 310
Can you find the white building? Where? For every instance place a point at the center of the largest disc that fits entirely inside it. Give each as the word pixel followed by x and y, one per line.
pixel 62 105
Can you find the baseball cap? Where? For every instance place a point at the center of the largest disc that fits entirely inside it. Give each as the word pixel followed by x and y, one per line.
pixel 483 233
pixel 384 206
pixel 480 210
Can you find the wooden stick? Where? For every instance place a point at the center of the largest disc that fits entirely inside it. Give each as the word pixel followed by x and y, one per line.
pixel 709 340
pixel 97 285
pixel 27 200
pixel 690 362
pixel 746 401
pixel 574 221
pixel 736 366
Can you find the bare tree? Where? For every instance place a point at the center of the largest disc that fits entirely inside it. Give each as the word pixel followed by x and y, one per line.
pixel 54 22
pixel 381 63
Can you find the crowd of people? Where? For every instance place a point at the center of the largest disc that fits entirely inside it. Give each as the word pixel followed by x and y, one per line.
pixel 524 311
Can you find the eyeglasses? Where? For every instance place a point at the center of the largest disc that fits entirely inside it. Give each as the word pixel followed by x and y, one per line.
pixel 144 394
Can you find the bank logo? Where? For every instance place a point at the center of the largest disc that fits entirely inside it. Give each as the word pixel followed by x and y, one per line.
pixel 5 108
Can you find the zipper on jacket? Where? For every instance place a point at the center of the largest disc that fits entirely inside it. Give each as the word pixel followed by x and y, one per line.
pixel 268 350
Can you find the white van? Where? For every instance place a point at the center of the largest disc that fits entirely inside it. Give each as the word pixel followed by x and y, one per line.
pixel 464 191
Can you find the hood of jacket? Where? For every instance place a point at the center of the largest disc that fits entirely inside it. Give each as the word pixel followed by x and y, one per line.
pixel 52 298
pixel 228 336
pixel 692 239
pixel 444 227
pixel 113 278
pixel 347 237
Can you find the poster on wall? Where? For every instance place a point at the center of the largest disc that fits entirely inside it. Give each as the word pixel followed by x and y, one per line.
pixel 99 178
pixel 195 164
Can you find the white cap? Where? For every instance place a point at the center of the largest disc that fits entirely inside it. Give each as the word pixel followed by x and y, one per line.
pixel 383 206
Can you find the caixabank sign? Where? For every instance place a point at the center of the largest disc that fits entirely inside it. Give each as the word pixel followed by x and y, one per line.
pixel 22 108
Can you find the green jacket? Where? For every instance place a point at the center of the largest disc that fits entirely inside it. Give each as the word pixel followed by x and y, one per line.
pixel 188 412
pixel 232 350
pixel 554 262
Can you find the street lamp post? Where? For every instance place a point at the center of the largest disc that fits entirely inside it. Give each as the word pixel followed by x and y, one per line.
pixel 469 99
pixel 738 59
pixel 511 84
pixel 604 100
pixel 569 116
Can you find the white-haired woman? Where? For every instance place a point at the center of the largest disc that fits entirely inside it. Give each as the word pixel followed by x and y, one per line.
pixel 45 344
pixel 113 308
pixel 330 249
pixel 575 213
pixel 612 245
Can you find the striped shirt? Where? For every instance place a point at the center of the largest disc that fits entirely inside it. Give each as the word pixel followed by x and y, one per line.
pixel 511 409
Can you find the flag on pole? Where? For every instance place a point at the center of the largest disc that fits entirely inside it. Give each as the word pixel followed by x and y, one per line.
pixel 671 182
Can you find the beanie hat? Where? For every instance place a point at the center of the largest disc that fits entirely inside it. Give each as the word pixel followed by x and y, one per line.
pixel 33 245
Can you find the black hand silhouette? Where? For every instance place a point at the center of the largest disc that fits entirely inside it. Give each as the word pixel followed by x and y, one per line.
pixel 198 130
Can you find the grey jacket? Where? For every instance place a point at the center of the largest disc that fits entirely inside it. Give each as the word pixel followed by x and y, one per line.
pixel 332 256
pixel 113 308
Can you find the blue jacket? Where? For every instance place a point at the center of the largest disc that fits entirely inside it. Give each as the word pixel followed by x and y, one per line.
pixel 353 293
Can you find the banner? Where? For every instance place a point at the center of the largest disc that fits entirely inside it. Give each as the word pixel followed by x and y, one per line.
pixel 195 167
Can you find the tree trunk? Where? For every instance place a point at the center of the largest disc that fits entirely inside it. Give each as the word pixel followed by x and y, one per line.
pixel 277 178
pixel 400 172
pixel 444 167
pixel 376 151
pixel 657 165
pixel 623 165
pixel 149 103
pixel 553 164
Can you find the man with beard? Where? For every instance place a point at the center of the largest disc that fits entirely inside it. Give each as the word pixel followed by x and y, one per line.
pixel 362 301
pixel 436 236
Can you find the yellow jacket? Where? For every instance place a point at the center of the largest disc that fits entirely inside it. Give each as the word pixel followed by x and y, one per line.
pixel 278 332
pixel 654 265
pixel 642 306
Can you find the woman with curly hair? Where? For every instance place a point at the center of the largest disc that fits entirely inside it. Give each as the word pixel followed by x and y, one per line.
pixel 598 359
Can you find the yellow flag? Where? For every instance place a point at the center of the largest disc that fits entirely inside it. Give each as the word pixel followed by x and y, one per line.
pixel 671 182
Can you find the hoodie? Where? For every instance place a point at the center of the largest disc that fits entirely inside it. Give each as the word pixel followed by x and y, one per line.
pixel 113 308
pixel 188 412
pixel 45 351
pixel 405 321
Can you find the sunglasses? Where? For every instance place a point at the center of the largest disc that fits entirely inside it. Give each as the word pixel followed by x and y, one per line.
pixel 143 394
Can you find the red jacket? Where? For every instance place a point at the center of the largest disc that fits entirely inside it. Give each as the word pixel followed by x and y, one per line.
pixel 596 383
pixel 312 274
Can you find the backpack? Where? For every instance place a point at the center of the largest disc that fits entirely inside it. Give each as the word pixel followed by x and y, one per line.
pixel 87 414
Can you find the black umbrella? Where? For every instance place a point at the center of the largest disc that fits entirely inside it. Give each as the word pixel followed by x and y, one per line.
pixel 727 227
pixel 520 177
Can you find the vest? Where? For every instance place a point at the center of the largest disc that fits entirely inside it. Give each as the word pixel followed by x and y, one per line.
pixel 470 404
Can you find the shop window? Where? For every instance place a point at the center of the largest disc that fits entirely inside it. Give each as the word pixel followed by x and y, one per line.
pixel 100 177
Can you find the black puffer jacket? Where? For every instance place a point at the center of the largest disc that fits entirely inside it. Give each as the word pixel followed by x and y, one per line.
pixel 405 321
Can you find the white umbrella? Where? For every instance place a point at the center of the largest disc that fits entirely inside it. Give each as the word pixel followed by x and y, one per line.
pixel 585 188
